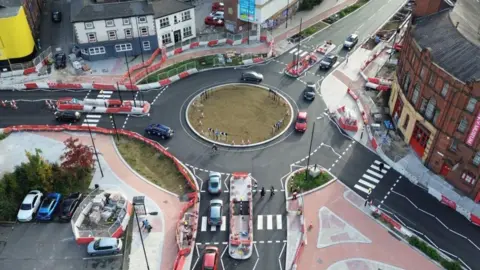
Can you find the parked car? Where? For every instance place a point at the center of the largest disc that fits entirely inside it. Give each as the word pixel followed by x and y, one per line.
pixel 332 19
pixel 56 16
pixel 310 91
pixel 296 38
pixel 60 61
pixel 218 6
pixel 215 18
pixel 215 212
pixel 252 76
pixel 301 122
pixel 328 61
pixel 104 246
pixel 48 206
pixel 214 183
pixel 67 116
pixel 350 42
pixel 29 206
pixel 159 130
pixel 210 258
pixel 69 205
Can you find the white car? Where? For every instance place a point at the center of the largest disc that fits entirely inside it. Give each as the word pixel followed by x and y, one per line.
pixel 29 206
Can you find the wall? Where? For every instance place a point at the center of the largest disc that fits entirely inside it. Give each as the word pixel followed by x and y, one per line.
pixel 174 27
pixel 101 29
pixel 110 48
pixel 16 40
pixel 428 7
pixel 33 12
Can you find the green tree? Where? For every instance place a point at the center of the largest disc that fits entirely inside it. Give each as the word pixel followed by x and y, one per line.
pixel 38 172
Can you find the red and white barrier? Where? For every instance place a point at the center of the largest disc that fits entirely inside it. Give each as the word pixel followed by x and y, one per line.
pixel 396 225
pixel 110 106
pixel 326 48
pixel 298 68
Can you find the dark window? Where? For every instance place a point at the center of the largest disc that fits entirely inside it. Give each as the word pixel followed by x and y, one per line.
pixel 406 83
pixel 423 106
pixel 453 145
pixel 462 126
pixel 416 93
pixel 430 110
pixel 405 123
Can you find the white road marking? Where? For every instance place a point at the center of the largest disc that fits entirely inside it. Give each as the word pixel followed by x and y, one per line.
pixel 93 116
pixel 91 120
pixel 378 169
pixel 279 222
pixel 375 174
pixel 368 177
pixel 269 222
pixel 223 227
pixel 384 165
pixel 294 50
pixel 259 222
pixel 303 54
pixel 204 224
pixel 366 183
pixel 361 188
pixel 213 228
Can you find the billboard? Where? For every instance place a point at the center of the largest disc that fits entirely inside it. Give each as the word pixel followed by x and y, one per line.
pixel 246 10
pixel 473 133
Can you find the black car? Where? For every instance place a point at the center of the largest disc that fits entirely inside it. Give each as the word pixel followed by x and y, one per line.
pixel 67 116
pixel 328 61
pixel 252 76
pixel 159 130
pixel 60 61
pixel 309 92
pixel 296 38
pixel 350 42
pixel 56 16
pixel 69 205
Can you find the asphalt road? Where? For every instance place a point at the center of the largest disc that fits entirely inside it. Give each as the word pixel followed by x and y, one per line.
pixel 56 35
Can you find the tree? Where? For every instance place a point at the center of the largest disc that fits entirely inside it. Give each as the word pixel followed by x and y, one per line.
pixel 38 172
pixel 77 155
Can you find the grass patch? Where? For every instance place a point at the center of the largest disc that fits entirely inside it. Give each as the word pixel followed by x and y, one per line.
pixel 152 165
pixel 344 12
pixel 298 182
pixel 3 136
pixel 244 112
pixel 433 254
pixel 313 29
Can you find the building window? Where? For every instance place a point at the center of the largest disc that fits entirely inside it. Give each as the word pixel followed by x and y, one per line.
pixel 422 72
pixel 453 145
pixel 468 177
pixel 436 115
pixel 109 23
pixel 186 15
pixel 405 123
pixel 462 126
pixel 432 80
pixel 123 47
pixel 187 31
pixel 471 104
pixel 126 21
pixel 96 50
pixel 146 45
pixel 476 159
pixel 406 83
pixel 175 20
pixel 128 33
pixel 444 89
pixel 164 22
pixel 112 35
pixel 430 108
pixel 92 37
pixel 423 106
pixel 143 31
pixel 142 19
pixel 166 38
pixel 89 25
pixel 416 92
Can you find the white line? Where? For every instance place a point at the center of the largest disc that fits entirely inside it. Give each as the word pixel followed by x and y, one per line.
pixel 279 222
pixel 277 241
pixel 269 241
pixel 216 243
pixel 221 257
pixel 213 228
pixel 259 222
pixel 102 257
pixel 198 256
pixel 94 116
pixel 91 120
pixel 303 54
pixel 368 177
pixel 280 256
pixel 204 224
pixel 361 188
pixel 378 169
pixel 294 50
pixel 269 222
pixel 223 227
pixel 384 165
pixel 89 125
pixel 360 27
pixel 375 174
pixel 108 92
pixel 366 183
pixel 104 96
pixel 258 257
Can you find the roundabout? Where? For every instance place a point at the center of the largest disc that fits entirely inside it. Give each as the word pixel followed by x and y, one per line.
pixel 239 115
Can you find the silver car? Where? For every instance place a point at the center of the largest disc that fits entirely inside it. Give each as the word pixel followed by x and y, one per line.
pixel 104 246
pixel 215 215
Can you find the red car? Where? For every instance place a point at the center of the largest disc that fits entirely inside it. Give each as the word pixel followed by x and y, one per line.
pixel 301 123
pixel 215 19
pixel 210 258
pixel 218 6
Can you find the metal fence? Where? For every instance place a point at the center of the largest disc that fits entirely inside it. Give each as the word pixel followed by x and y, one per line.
pixel 33 63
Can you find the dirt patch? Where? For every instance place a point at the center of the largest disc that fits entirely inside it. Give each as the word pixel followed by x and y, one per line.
pixel 387 71
pixel 152 165
pixel 243 112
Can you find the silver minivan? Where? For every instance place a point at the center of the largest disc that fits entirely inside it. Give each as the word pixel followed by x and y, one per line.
pixel 104 246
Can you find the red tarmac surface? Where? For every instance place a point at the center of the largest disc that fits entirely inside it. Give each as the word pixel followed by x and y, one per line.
pixel 383 248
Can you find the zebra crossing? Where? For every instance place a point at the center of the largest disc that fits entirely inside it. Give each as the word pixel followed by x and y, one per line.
pixel 92 120
pixel 372 176
pixel 297 51
pixel 263 222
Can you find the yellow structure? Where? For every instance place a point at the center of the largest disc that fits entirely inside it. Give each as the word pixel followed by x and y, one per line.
pixel 16 40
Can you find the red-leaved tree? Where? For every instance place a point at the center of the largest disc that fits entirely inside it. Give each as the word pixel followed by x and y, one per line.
pixel 77 155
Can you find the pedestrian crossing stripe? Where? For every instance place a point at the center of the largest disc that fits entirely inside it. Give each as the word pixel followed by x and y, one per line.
pixel 264 222
pixel 384 165
pixel 371 177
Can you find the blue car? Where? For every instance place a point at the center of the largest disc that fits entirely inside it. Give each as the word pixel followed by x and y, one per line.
pixel 159 130
pixel 214 183
pixel 48 206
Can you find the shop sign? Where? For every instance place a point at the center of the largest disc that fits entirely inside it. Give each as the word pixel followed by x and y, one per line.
pixel 473 133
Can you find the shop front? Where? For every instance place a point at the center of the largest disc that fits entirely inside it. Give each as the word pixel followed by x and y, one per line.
pixel 419 139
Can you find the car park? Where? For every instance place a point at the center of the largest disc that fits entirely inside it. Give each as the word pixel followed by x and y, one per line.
pixel 48 206
pixel 350 42
pixel 69 205
pixel 60 61
pixel 328 61
pixel 252 76
pixel 67 116
pixel 29 206
pixel 310 91
pixel 210 258
pixel 214 183
pixel 301 122
pixel 159 130
pixel 215 212
pixel 218 6
pixel 56 16
pixel 104 246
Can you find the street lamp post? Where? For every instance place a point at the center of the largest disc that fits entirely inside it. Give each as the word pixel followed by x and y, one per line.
pixel 309 152
pixel 248 21
pixel 130 78
pixel 119 93
pixel 286 21
pixel 95 149
pixel 139 201
pixel 114 126
pixel 297 54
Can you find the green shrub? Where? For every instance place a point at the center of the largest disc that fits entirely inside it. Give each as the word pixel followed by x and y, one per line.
pixel 455 265
pixel 433 254
pixel 302 184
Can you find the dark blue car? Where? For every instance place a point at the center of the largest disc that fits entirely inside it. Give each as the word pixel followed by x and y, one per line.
pixel 48 206
pixel 159 130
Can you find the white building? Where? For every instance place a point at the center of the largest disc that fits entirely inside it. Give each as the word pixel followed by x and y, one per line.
pixel 175 23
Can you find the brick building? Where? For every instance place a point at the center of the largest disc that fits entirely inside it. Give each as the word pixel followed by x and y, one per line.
pixel 434 98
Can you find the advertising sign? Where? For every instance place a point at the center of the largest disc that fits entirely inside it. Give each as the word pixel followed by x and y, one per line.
pixel 246 10
pixel 473 133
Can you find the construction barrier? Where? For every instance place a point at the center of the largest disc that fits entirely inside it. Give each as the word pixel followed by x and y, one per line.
pixel 405 232
pixel 110 106
pixel 298 68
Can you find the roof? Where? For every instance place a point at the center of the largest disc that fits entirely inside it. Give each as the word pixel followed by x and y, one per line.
pixel 209 259
pixel 302 115
pixel 450 49
pixel 10 3
pixel 6 11
pixel 88 10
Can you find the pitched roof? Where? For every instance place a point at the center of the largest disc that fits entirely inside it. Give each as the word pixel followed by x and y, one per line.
pixel 10 3
pixel 164 8
pixel 450 49
pixel 6 11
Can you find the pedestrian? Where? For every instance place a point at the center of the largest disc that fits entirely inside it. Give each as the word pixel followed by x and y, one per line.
pixel 381 167
pixel 262 192
pixel 346 58
pixel 294 194
pixel 272 191
pixel 145 224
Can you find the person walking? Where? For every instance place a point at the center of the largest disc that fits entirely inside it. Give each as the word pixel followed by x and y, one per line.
pixel 381 167
pixel 262 192
pixel 272 191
